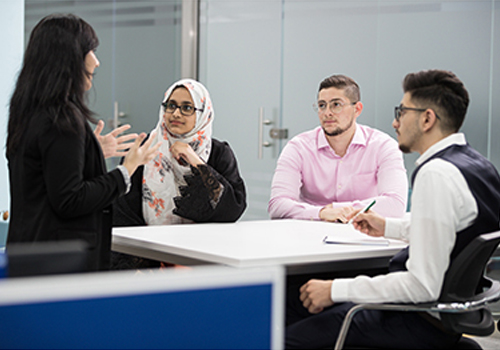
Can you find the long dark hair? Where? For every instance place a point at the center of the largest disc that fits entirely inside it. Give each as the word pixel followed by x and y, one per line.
pixel 53 77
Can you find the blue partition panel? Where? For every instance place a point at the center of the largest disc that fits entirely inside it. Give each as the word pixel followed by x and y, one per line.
pixel 238 317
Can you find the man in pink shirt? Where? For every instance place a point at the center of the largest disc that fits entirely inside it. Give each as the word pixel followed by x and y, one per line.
pixel 326 173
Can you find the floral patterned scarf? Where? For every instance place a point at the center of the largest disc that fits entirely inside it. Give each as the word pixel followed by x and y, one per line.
pixel 164 175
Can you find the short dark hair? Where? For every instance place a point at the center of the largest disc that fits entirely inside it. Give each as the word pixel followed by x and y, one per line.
pixel 444 91
pixel 339 81
pixel 53 76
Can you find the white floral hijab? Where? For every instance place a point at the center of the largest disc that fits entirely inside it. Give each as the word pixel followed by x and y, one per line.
pixel 164 175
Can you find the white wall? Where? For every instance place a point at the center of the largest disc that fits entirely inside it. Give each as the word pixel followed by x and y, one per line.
pixel 12 43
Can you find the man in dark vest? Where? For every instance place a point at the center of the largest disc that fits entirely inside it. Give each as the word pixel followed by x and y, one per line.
pixel 455 197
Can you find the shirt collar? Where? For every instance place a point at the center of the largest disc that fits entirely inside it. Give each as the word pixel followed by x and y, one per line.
pixel 453 139
pixel 359 138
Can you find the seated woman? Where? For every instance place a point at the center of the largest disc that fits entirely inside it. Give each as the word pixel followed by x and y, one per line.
pixel 194 179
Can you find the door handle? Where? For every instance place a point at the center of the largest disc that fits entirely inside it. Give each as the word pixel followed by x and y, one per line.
pixel 261 141
pixel 116 115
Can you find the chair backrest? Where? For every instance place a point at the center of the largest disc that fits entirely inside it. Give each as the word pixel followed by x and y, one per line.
pixel 467 270
pixel 463 281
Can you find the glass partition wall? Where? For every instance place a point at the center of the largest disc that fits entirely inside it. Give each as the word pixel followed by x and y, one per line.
pixel 269 56
pixel 262 62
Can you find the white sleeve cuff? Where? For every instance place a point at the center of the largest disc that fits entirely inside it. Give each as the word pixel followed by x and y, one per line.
pixel 397 228
pixel 339 291
pixel 126 177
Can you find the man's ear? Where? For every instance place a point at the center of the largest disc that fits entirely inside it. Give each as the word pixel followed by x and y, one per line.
pixel 428 120
pixel 358 108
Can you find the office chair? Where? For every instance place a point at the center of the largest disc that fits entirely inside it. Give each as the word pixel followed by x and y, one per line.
pixel 463 301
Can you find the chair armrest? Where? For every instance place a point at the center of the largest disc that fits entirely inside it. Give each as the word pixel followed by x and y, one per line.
pixel 478 302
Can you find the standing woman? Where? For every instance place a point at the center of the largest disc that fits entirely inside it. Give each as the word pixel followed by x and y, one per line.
pixel 59 186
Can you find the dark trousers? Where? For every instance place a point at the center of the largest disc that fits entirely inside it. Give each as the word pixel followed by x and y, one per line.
pixel 369 329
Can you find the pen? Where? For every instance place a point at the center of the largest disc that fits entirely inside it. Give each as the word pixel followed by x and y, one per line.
pixel 364 210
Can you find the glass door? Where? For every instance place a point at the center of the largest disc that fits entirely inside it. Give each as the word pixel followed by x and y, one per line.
pixel 240 55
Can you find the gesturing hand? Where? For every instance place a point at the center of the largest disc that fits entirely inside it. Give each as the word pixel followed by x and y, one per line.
pixel 113 145
pixel 140 155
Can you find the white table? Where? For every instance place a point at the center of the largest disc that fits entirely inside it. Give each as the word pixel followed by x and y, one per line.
pixel 296 244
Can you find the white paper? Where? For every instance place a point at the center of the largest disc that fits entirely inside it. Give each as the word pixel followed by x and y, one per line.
pixel 354 237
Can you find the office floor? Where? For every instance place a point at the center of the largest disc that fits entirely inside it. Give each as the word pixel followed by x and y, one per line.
pixel 493 341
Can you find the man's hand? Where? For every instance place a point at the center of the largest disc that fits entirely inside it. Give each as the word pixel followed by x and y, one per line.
pixel 315 295
pixel 370 223
pixel 340 214
pixel 111 144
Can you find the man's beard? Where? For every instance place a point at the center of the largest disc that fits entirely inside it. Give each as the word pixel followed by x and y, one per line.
pixel 404 149
pixel 339 130
pixel 412 136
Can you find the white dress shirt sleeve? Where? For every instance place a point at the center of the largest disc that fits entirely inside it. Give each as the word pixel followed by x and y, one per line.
pixel 126 177
pixel 398 228
pixel 442 205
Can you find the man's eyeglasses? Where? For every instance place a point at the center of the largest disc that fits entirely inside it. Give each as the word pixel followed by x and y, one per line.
pixel 399 110
pixel 186 110
pixel 335 106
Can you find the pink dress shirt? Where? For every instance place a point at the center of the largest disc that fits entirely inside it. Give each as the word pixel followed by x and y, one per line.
pixel 309 175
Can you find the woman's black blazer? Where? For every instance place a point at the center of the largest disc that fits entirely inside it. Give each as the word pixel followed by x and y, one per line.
pixel 60 189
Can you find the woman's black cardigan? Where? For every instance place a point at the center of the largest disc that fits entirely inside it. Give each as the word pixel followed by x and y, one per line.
pixel 195 202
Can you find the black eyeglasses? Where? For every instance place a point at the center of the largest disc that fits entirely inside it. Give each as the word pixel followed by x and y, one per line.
pixel 398 111
pixel 186 110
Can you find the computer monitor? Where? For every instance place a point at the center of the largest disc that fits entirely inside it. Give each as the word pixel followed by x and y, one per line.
pixel 46 258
